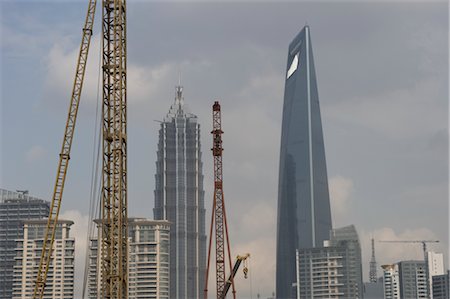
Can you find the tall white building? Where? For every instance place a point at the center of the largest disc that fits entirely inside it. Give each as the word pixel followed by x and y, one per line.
pixel 148 260
pixel 60 278
pixel 391 281
pixel 435 267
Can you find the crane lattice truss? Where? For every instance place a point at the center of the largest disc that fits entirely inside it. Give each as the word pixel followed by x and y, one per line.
pixel 114 190
pixel 114 234
pixel 218 217
pixel 64 156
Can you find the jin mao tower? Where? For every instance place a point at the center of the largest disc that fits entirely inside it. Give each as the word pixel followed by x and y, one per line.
pixel 179 198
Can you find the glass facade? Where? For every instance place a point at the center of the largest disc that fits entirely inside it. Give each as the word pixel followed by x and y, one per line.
pixel 304 216
pixel 179 198
pixel 15 208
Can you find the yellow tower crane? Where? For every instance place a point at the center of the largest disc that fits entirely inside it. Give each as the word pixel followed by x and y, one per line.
pixel 64 156
pixel 114 231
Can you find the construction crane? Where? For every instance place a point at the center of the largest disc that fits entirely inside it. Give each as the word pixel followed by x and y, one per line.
pixel 114 233
pixel 425 256
pixel 218 216
pixel 64 156
pixel 239 260
pixel 424 244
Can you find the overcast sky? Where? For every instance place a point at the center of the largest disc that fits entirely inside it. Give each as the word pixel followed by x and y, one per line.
pixel 382 72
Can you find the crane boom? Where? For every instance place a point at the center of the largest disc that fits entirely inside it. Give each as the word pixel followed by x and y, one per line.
pixel 218 217
pixel 425 256
pixel 238 262
pixel 64 156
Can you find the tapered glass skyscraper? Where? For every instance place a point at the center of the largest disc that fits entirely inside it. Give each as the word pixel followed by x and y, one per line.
pixel 179 198
pixel 304 216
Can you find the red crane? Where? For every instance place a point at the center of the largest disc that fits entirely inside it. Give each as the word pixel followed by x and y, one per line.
pixel 218 217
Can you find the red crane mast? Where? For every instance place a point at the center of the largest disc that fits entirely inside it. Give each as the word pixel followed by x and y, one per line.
pixel 218 217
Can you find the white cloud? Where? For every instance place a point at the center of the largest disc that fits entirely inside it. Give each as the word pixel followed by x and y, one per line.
pixel 35 153
pixel 341 189
pixel 143 82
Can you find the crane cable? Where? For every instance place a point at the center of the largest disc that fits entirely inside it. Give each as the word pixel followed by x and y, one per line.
pixel 95 187
pixel 250 276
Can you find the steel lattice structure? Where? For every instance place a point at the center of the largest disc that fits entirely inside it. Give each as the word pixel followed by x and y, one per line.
pixel 64 156
pixel 114 190
pixel 218 217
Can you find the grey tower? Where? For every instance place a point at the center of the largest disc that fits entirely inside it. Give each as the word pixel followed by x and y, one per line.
pixel 304 216
pixel 179 198
pixel 15 208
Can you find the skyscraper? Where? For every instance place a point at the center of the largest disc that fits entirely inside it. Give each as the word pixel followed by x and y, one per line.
pixel 179 198
pixel 148 260
pixel 60 279
pixel 304 216
pixel 15 207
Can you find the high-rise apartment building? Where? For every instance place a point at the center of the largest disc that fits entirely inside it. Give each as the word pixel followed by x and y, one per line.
pixel 435 267
pixel 413 279
pixel 332 271
pixel 304 216
pixel 391 281
pixel 15 207
pixel 60 278
pixel 148 260
pixel 179 198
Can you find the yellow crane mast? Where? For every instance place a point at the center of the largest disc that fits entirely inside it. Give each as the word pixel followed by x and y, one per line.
pixel 64 155
pixel 114 233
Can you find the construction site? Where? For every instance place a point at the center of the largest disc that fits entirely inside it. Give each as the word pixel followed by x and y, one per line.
pixel 254 193
pixel 113 223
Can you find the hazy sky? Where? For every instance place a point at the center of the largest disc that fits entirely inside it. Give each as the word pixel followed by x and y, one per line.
pixel 382 71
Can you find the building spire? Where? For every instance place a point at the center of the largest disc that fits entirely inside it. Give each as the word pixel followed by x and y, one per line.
pixel 373 265
pixel 179 100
